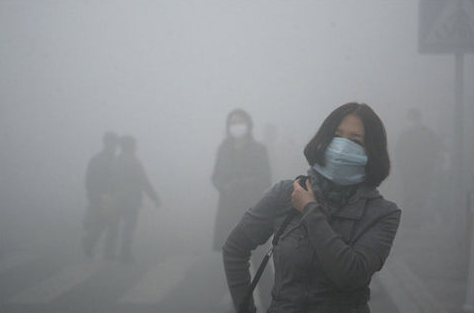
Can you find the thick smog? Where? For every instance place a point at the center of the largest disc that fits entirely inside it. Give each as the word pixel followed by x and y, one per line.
pixel 153 153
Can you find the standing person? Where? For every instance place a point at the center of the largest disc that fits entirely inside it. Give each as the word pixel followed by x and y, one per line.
pixel 342 230
pixel 129 182
pixel 418 157
pixel 97 183
pixel 241 175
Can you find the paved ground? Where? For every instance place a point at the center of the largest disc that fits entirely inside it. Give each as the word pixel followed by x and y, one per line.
pixel 166 282
pixel 426 272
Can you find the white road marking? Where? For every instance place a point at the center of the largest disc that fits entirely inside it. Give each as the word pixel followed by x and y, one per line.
pixel 159 281
pixel 16 259
pixel 407 291
pixel 58 284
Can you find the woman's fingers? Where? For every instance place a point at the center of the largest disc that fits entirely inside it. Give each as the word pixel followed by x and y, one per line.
pixel 296 184
pixel 300 196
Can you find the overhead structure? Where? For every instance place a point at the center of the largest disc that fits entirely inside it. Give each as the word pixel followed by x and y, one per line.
pixel 448 27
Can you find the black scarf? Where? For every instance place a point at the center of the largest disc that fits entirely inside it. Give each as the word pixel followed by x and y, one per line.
pixel 328 193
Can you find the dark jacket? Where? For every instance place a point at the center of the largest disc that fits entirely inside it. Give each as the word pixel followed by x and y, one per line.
pixel 97 181
pixel 241 176
pixel 322 263
pixel 98 185
pixel 129 181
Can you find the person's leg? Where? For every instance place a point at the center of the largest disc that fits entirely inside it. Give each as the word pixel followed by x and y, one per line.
pixel 129 226
pixel 112 225
pixel 95 227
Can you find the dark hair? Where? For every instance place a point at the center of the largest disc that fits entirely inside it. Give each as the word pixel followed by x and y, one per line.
pixel 246 117
pixel 375 141
pixel 110 139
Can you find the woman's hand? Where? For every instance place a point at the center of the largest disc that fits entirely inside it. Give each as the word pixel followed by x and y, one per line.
pixel 300 196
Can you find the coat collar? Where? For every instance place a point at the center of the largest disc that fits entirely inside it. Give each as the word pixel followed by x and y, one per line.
pixel 355 208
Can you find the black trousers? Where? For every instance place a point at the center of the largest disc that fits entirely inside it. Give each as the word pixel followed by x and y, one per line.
pixel 97 222
pixel 124 219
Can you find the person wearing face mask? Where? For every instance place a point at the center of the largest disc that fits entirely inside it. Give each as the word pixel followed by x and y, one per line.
pixel 341 232
pixel 241 175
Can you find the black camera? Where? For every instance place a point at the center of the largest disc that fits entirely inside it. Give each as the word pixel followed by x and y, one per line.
pixel 303 180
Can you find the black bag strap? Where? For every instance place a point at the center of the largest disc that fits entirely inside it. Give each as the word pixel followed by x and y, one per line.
pixel 244 305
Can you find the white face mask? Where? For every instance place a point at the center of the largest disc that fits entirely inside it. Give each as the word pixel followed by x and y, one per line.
pixel 345 162
pixel 238 130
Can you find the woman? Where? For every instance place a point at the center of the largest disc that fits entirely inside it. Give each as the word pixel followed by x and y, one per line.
pixel 241 174
pixel 326 257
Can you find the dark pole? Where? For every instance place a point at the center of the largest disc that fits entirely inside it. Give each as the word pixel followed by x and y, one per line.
pixel 459 112
pixel 458 154
pixel 468 190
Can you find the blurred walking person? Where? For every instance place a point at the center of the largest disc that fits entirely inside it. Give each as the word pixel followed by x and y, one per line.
pixel 418 155
pixel 241 175
pixel 98 189
pixel 129 182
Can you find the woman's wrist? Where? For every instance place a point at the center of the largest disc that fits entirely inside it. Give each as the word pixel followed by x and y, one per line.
pixel 308 207
pixel 315 210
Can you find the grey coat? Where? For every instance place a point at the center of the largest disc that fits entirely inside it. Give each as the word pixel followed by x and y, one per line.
pixel 322 263
pixel 129 181
pixel 241 176
pixel 97 181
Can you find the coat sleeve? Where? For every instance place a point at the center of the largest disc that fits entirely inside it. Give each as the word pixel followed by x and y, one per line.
pixel 146 184
pixel 91 181
pixel 255 228
pixel 350 267
pixel 88 182
pixel 220 175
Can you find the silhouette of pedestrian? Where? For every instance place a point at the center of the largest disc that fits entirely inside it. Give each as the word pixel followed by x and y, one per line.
pixel 417 154
pixel 241 175
pixel 98 189
pixel 129 182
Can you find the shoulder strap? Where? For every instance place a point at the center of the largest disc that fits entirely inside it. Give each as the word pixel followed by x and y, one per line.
pixel 244 305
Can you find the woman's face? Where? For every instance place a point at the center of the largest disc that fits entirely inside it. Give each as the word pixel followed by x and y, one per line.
pixel 352 128
pixel 236 119
pixel 238 127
